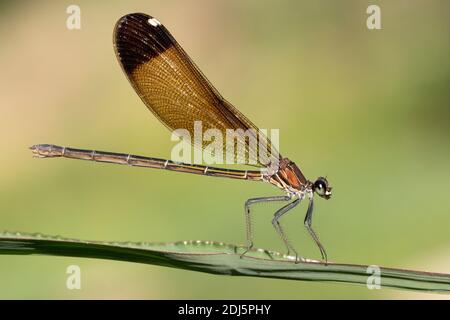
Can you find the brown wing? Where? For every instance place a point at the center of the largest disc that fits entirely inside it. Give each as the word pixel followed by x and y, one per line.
pixel 172 86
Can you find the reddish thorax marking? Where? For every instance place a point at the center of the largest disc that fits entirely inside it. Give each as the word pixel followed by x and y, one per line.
pixel 289 177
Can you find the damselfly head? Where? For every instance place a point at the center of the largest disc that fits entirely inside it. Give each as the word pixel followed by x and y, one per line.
pixel 322 188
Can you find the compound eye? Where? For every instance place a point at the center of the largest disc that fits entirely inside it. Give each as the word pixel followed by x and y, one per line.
pixel 320 188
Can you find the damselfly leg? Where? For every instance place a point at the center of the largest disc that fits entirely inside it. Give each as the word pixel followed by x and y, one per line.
pixel 308 225
pixel 248 218
pixel 276 224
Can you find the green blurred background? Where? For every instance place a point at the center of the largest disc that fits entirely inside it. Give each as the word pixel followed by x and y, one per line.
pixel 369 109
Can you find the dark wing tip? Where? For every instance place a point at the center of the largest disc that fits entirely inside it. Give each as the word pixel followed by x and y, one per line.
pixel 138 38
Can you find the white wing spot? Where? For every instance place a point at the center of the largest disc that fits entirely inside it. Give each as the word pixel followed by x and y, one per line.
pixel 154 22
